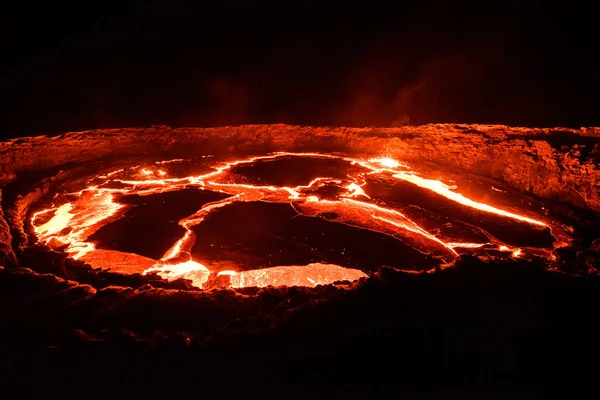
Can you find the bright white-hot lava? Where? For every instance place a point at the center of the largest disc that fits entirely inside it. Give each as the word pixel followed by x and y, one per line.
pixel 72 223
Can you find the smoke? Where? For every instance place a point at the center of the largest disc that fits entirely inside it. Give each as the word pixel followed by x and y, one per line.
pixel 403 86
pixel 383 81
pixel 235 67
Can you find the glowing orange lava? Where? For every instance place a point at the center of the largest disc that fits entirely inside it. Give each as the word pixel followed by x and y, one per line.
pixel 72 223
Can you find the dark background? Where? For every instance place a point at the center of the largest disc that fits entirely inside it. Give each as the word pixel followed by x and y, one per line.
pixel 86 65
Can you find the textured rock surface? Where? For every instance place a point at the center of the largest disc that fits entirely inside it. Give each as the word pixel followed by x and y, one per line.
pixel 17 211
pixel 6 253
pixel 559 163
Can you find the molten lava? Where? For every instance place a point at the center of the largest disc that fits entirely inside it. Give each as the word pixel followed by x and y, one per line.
pixel 335 189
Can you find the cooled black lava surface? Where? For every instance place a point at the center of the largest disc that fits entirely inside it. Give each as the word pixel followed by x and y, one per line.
pixel 412 200
pixel 244 236
pixel 149 227
pixel 294 170
pixel 253 235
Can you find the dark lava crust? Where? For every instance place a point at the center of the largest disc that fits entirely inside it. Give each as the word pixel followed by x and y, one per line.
pixel 268 235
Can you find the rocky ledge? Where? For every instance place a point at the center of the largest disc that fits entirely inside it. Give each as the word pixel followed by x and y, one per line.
pixel 559 165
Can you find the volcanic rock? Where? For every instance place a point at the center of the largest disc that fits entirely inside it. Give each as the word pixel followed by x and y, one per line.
pixel 553 163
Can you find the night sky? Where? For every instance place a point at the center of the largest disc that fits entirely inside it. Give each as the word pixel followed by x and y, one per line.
pixel 76 67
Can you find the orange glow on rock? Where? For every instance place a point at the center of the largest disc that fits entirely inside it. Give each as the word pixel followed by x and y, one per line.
pixel 516 253
pixel 62 216
pixel 444 190
pixel 386 162
pixel 310 275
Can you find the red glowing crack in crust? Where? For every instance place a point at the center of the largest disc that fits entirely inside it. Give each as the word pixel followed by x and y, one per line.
pixel 74 222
